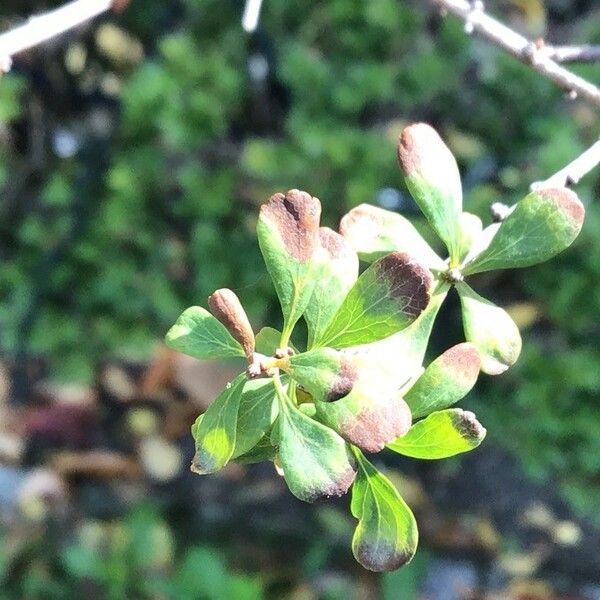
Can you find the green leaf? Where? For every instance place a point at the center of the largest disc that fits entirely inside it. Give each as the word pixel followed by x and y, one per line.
pixel 261 452
pixel 256 414
pixel 448 379
pixel 442 434
pixel 215 433
pixel 326 374
pixel 386 536
pixel 315 460
pixel 288 236
pixel 371 415
pixel 491 330
pixel 386 298
pixel 267 341
pixel 541 225
pixel 400 356
pixel 374 232
pixel 197 333
pixel 338 275
pixel 433 179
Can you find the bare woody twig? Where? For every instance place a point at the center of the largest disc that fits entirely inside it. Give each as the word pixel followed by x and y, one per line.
pixel 574 171
pixel 572 54
pixel 477 21
pixel 43 27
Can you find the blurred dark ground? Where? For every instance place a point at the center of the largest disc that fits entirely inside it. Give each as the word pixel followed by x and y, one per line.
pixel 134 155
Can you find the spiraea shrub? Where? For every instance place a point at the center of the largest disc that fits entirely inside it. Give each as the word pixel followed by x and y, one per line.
pixel 359 386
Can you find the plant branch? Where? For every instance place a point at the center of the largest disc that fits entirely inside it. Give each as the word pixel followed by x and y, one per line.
pixel 574 171
pixel 478 21
pixel 572 54
pixel 41 28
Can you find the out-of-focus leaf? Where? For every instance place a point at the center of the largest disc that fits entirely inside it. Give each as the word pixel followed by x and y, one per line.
pixel 470 229
pixel 442 434
pixel 197 333
pixel 446 380
pixel 338 275
pixel 491 330
pixel 315 460
pixel 386 536
pixel 541 225
pixel 432 176
pixel 288 235
pixel 215 433
pixel 374 232
pixel 386 298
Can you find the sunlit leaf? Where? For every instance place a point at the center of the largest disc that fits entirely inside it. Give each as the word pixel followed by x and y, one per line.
pixel 446 380
pixel 386 298
pixel 338 275
pixel 470 230
pixel 386 536
pixel 541 225
pixel 491 330
pixel 315 460
pixel 197 333
pixel 288 235
pixel 441 435
pixel 374 232
pixel 432 176
pixel 215 433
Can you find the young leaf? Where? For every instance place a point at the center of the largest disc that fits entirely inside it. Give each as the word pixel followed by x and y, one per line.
pixel 432 177
pixel 386 536
pixel 326 374
pixel 288 236
pixel 315 460
pixel 374 232
pixel 257 411
pixel 541 225
pixel 386 298
pixel 441 435
pixel 215 433
pixel 491 330
pixel 338 275
pixel 267 341
pixel 197 333
pixel 226 307
pixel 369 416
pixel 448 379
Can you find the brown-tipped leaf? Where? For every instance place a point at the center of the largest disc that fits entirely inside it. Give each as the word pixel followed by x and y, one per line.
pixel 386 298
pixel 448 379
pixel 227 308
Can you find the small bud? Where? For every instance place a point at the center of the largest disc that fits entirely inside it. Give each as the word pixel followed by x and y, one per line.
pixel 226 307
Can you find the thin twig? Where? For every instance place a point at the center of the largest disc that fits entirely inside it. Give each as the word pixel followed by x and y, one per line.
pixel 572 54
pixel 478 21
pixel 574 171
pixel 41 28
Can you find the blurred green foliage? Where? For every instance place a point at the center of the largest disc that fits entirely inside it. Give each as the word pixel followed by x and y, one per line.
pixel 102 249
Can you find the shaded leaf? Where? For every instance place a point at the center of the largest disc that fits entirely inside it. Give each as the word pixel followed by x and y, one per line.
pixel 386 536
pixel 374 232
pixel 491 330
pixel 471 228
pixel 338 274
pixel 432 176
pixel 288 236
pixel 261 452
pixel 226 307
pixel 197 333
pixel 257 411
pixel 541 225
pixel 267 341
pixel 215 433
pixel 315 460
pixel 326 374
pixel 446 380
pixel 386 298
pixel 442 434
